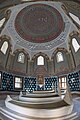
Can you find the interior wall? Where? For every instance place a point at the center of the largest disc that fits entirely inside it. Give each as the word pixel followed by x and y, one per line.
pixel 42 68
pixel 63 66
pixel 17 66
pixel 76 55
pixel 4 57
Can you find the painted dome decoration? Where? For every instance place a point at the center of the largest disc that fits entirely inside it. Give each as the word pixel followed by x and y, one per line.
pixel 39 23
pixel 38 26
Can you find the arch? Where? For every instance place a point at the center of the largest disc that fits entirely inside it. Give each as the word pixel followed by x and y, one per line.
pixel 42 66
pixel 75 44
pixel 60 61
pixel 40 60
pixel 21 57
pixel 4 47
pixel 59 57
pixel 75 18
pixel 40 54
pixel 74 47
pixel 22 51
pixel 58 50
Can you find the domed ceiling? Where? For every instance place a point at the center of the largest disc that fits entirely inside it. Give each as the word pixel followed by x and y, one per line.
pixel 39 23
pixel 38 26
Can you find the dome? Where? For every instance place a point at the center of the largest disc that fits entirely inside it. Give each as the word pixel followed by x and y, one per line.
pixel 39 57
pixel 41 29
pixel 40 23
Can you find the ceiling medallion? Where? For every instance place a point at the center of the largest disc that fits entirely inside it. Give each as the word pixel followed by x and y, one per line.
pixel 39 23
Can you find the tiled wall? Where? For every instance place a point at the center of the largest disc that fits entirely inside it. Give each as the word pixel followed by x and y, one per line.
pixel 51 83
pixel 74 81
pixel 7 81
pixel 30 84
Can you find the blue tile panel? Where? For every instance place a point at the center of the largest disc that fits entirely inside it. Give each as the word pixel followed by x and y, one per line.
pixel 30 84
pixel 7 82
pixel 51 83
pixel 74 81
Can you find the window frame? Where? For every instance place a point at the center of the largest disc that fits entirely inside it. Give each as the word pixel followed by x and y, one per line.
pixel 61 82
pixel 38 60
pixel 74 18
pixel 21 78
pixel 2 21
pixel 21 60
pixel 3 50
pixel 59 56
pixel 75 44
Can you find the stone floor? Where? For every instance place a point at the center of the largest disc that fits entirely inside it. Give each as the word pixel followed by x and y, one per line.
pixel 76 108
pixel 76 102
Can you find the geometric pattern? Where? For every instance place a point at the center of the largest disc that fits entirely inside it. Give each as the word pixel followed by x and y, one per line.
pixel 30 84
pixel 7 82
pixel 51 83
pixel 73 81
pixel 40 88
pixel 39 23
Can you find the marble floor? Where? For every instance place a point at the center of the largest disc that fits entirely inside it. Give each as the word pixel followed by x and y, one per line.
pixel 75 100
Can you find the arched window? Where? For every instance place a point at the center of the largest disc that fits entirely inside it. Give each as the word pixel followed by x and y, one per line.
pixel 2 22
pixel 75 44
pixel 59 57
pixel 4 47
pixel 21 57
pixel 75 18
pixel 40 60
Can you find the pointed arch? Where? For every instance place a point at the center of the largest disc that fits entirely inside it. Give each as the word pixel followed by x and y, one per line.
pixel 21 57
pixel 75 18
pixel 4 47
pixel 40 60
pixel 75 44
pixel 59 57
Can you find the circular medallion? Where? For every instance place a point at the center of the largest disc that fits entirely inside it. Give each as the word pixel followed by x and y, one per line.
pixel 39 23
